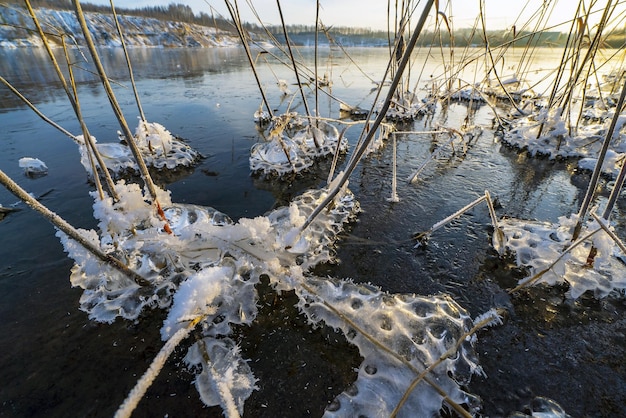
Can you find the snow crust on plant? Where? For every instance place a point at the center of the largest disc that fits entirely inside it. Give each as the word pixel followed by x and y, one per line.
pixel 418 330
pixel 227 380
pixel 291 146
pixel 407 106
pixel 205 270
pixel 159 148
pixel 537 245
pixel 558 140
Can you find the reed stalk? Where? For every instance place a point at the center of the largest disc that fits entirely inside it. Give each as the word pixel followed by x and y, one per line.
pixel 296 72
pixel 371 130
pixel 128 63
pixel 492 61
pixel 394 193
pixel 317 21
pixel 91 146
pixel 37 111
pixel 143 169
pixel 73 98
pixel 69 230
pixel 141 387
pixel 595 176
pixel 244 41
pixel 422 236
pixel 226 399
pixel 604 225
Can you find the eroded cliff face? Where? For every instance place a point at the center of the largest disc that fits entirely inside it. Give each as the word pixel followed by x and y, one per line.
pixel 17 30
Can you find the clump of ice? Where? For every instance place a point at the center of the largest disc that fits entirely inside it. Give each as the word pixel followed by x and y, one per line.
pixel 548 133
pixel 416 332
pixel 543 408
pixel 226 379
pixel 538 245
pixel 158 147
pixel 384 131
pixel 611 166
pixel 294 145
pixel 33 167
pixel 407 106
pixel 468 94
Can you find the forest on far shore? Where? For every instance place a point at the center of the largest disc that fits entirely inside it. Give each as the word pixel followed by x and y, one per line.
pixel 303 34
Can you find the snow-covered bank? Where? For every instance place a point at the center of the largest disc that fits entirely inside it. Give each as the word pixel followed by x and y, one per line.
pixel 16 30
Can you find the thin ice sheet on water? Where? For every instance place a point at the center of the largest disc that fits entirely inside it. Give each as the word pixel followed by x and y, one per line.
pixel 537 245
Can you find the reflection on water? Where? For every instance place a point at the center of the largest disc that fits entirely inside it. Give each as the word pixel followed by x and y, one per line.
pixel 208 97
pixel 29 69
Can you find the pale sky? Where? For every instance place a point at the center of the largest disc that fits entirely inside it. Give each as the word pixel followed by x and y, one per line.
pixel 500 14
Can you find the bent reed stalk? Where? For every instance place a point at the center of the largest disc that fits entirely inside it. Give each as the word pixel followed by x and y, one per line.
pixel 356 157
pixel 73 98
pixel 70 231
pixel 128 63
pixel 143 169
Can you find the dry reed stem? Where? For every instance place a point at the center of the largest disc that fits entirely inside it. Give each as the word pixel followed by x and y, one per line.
pixel 37 111
pixel 297 73
pixel 242 36
pixel 70 231
pixel 461 411
pixel 227 402
pixel 451 351
pixel 537 276
pixel 128 63
pixel 603 224
pixel 423 235
pixel 136 394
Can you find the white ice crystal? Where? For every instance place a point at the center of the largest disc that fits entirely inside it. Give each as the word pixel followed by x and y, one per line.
pixel 33 167
pixel 293 146
pixel 399 336
pixel 159 149
pixel 541 246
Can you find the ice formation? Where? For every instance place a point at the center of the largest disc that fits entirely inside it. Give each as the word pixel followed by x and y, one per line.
pixel 543 408
pixel 206 268
pixel 407 107
pixel 227 381
pixel 540 246
pixel 33 167
pixel 158 147
pixel 399 337
pixel 547 133
pixel 293 145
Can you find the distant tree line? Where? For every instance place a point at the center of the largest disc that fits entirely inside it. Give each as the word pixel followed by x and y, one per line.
pixel 174 12
pixel 462 37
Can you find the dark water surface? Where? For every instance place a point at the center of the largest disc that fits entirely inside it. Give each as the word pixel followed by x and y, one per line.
pixel 54 362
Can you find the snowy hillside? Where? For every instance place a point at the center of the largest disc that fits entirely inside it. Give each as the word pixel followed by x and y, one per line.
pixel 16 30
